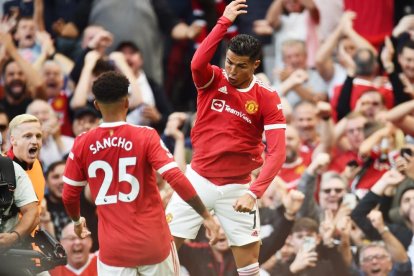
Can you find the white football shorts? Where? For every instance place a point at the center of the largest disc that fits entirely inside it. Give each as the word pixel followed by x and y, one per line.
pixel 240 228
pixel 169 267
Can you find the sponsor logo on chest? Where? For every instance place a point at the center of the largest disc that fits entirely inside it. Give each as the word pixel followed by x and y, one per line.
pixel 221 106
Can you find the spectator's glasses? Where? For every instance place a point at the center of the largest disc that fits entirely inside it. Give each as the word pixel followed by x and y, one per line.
pixel 373 103
pixel 329 190
pixel 3 128
pixel 378 257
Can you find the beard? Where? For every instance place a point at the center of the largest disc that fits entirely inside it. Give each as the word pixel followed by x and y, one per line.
pixel 291 156
pixel 9 89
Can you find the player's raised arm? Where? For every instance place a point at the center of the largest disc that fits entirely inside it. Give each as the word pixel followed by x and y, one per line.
pixel 200 65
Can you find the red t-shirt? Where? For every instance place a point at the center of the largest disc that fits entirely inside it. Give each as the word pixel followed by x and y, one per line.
pixel 118 162
pixel 89 269
pixel 374 20
pixel 227 136
pixel 359 87
pixel 291 173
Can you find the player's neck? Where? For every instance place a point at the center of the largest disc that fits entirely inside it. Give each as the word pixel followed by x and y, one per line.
pixel 112 118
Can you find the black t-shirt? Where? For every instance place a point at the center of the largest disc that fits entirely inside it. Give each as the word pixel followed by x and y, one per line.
pixel 14 110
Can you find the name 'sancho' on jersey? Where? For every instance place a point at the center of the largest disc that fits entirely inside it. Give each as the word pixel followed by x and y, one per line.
pixel 109 142
pixel 220 105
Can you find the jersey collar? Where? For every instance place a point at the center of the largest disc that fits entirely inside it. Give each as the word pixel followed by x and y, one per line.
pixel 112 124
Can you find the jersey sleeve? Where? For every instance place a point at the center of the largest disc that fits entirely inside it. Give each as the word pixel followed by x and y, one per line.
pixel 202 71
pixel 163 162
pixel 74 179
pixel 274 126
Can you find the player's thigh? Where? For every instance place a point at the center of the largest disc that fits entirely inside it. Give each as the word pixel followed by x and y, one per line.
pixel 240 228
pixel 104 269
pixel 183 220
pixel 169 267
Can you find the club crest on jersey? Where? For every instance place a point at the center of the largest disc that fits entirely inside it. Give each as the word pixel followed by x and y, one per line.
pixel 169 217
pixel 251 107
pixel 218 105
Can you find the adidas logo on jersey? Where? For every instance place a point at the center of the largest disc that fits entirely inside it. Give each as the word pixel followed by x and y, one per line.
pixel 223 89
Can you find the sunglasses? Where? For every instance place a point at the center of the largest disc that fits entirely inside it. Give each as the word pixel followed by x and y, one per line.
pixel 3 128
pixel 378 257
pixel 329 190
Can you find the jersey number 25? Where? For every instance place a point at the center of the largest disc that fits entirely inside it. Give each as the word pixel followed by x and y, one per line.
pixel 103 198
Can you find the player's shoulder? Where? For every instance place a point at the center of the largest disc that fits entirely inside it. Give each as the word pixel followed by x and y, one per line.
pixel 264 86
pixel 140 128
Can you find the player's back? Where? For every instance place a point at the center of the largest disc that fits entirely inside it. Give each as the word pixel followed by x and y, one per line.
pixel 118 160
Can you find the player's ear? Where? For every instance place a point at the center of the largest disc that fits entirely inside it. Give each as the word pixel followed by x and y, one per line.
pixel 256 64
pixel 95 103
pixel 12 140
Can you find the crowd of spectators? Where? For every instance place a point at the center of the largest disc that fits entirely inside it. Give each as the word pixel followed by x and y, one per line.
pixel 343 202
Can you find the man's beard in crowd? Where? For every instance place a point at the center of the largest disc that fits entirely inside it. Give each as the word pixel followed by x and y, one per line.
pixel 291 156
pixel 9 90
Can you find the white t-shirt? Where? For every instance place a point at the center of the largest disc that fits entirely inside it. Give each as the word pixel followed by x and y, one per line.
pixel 23 194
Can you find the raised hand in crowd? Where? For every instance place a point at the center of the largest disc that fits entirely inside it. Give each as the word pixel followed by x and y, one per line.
pixel 387 182
pixel 305 258
pixel 100 40
pixel 406 24
pixel 319 164
pixel 327 228
pixel 344 228
pixel 292 203
pixel 387 54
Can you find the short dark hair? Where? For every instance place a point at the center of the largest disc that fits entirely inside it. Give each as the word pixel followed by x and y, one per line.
pixel 110 87
pixel 5 65
pixel 365 62
pixel 128 44
pixel 246 45
pixel 305 224
pixel 53 166
pixel 103 65
pixel 408 44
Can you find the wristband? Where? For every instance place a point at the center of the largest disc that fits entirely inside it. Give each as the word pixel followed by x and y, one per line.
pixel 252 194
pixel 17 233
pixel 386 229
pixel 77 222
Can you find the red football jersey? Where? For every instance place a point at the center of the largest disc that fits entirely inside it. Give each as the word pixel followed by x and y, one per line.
pixel 227 136
pixel 292 173
pixel 118 162
pixel 89 269
pixel 235 120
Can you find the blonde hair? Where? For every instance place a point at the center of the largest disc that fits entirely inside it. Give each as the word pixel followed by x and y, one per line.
pixel 21 119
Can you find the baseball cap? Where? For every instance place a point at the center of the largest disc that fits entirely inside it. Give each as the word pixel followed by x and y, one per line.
pixel 86 110
pixel 127 43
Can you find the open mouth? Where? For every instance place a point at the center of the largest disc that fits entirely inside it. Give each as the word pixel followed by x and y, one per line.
pixel 375 270
pixel 33 151
pixel 28 37
pixel 51 85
